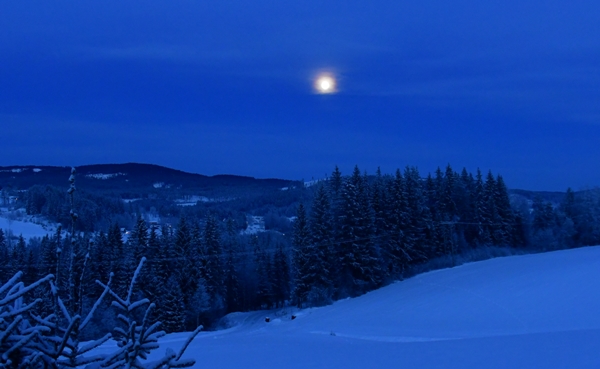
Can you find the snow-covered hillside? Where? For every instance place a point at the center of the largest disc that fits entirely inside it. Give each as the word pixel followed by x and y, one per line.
pixel 25 227
pixel 533 311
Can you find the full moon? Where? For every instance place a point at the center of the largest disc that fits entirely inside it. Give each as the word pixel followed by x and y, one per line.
pixel 325 84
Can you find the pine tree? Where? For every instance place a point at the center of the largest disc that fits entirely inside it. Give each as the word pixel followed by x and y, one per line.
pixel 262 262
pixel 506 219
pixel 163 270
pixel 358 258
pixel 115 255
pixel 334 190
pixel 157 274
pixel 138 244
pixel 183 260
pixel 490 194
pixel 482 217
pixel 172 312
pixel 322 244
pixel 397 253
pixel 447 194
pixel 18 256
pixel 432 235
pixel 232 283
pixel 568 205
pixel 212 271
pixel 301 242
pixel 464 188
pixel 137 336
pixel 542 213
pixel 19 338
pixel 165 265
pixel 281 277
pixel 417 223
pixel 4 258
pixel 379 201
pixel 335 182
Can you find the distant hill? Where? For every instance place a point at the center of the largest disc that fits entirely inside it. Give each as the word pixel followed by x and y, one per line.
pixel 555 197
pixel 135 180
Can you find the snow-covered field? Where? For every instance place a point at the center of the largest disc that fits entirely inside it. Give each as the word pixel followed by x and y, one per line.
pixel 533 311
pixel 193 200
pixel 27 229
pixel 256 224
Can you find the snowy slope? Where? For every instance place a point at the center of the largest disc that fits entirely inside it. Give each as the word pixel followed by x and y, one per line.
pixel 27 229
pixel 533 311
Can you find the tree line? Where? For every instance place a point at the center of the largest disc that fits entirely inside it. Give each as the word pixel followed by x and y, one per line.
pixel 356 233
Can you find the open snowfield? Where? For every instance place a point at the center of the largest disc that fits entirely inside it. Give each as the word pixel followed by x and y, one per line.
pixel 27 229
pixel 533 311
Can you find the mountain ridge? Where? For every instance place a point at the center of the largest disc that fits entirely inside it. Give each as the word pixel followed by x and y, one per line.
pixel 128 176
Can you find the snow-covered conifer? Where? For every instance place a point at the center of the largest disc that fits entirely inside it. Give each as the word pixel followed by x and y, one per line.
pixel 301 242
pixel 212 270
pixel 137 335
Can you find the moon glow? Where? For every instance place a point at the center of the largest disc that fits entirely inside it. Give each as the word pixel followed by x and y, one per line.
pixel 325 84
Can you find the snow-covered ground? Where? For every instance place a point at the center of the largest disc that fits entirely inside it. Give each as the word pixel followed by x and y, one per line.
pixel 193 200
pixel 532 311
pixel 105 176
pixel 256 224
pixel 26 228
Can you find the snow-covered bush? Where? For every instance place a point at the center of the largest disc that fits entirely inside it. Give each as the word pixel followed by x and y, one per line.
pixel 19 338
pixel 33 337
pixel 136 340
pixel 28 340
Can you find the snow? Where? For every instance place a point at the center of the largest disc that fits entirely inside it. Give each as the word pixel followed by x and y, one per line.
pixel 532 311
pixel 36 170
pixel 256 224
pixel 127 201
pixel 313 182
pixel 194 200
pixel 27 229
pixel 103 176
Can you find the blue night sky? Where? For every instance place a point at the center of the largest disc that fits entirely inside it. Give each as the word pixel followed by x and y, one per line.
pixel 223 86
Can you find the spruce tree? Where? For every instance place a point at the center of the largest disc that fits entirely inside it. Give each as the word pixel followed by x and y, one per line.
pixel 322 246
pixel 301 242
pixel 490 194
pixel 358 258
pixel 506 219
pixel 183 260
pixel 115 255
pixel 447 194
pixel 280 277
pixel 334 190
pixel 262 262
pixel 415 230
pixel 18 256
pixel 212 270
pixel 4 258
pixel 157 274
pixel 165 263
pixel 397 253
pixel 232 283
pixel 138 246
pixel 172 309
pixel 335 182
pixel 482 218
